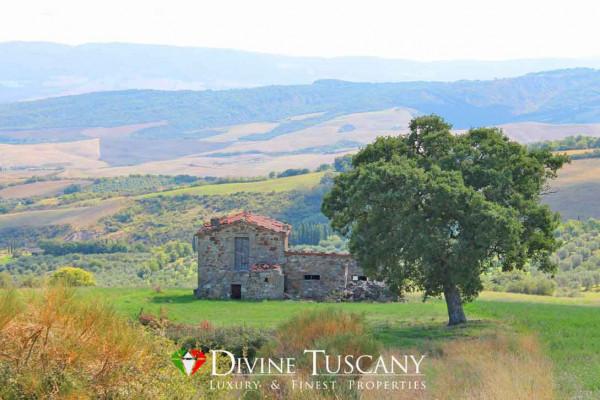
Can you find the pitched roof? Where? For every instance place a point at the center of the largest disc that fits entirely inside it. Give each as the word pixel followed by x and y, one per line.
pixel 248 217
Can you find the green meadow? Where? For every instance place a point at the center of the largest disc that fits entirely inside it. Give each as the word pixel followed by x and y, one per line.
pixel 297 182
pixel 568 329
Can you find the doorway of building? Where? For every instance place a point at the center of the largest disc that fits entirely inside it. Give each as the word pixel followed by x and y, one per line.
pixel 236 292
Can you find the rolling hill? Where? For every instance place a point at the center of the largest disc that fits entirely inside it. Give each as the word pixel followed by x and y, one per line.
pixel 562 96
pixel 250 132
pixel 33 70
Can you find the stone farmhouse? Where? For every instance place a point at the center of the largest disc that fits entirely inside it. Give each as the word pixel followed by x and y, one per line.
pixel 246 256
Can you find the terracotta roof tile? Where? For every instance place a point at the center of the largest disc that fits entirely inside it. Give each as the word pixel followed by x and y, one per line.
pixel 250 218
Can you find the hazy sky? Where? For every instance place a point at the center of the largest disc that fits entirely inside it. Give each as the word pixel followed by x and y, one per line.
pixel 423 29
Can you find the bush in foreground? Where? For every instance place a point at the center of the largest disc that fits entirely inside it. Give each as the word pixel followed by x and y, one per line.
pixel 336 332
pixel 54 345
pixel 242 341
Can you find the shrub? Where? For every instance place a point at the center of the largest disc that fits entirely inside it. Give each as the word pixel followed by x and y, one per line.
pixel 73 276
pixel 530 285
pixel 520 282
pixel 293 172
pixel 239 340
pixel 73 188
pixel 336 332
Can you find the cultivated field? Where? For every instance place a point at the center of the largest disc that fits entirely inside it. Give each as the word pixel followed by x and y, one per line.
pixel 361 128
pixel 44 188
pixel 576 192
pixel 529 132
pixel 235 150
pixel 77 154
pixel 79 217
pixel 87 213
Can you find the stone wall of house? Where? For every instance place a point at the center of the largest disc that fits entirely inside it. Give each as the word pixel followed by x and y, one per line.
pixel 268 284
pixel 216 259
pixel 335 271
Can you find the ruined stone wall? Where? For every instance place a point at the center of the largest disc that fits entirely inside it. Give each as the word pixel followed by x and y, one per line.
pixel 334 270
pixel 264 285
pixel 216 259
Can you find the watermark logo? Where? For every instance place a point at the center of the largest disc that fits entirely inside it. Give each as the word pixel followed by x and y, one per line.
pixel 188 361
pixel 320 370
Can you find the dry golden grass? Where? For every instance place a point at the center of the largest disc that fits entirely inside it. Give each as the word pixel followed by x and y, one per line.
pixel 55 346
pixel 51 342
pixel 500 368
pixel 576 191
pixel 306 329
pixel 367 126
pixel 578 171
pixel 493 368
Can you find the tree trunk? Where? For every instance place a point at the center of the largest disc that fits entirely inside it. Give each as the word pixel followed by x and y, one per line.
pixel 456 315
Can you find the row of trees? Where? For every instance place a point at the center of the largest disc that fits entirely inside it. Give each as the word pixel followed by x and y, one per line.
pixel 568 143
pixel 310 233
pixel 60 247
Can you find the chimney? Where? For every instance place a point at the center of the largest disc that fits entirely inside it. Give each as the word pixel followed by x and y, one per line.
pixel 215 222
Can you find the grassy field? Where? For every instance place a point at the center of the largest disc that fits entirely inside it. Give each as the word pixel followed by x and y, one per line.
pixel 569 329
pixel 298 182
pixel 569 333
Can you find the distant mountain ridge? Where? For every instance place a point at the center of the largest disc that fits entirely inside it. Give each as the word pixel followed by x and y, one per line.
pixel 558 97
pixel 31 70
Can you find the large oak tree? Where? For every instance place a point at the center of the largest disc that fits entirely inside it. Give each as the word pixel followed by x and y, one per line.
pixel 432 211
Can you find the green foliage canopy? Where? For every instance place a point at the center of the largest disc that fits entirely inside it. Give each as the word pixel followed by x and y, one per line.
pixel 433 211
